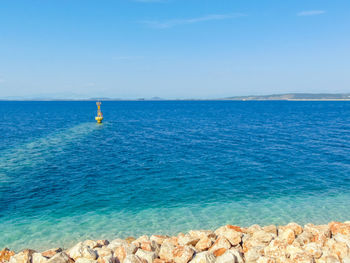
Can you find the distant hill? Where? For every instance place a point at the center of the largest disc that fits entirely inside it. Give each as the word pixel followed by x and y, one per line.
pixel 295 96
pixel 287 96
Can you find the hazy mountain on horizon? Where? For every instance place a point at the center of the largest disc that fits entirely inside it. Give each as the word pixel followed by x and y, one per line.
pixel 295 96
pixel 284 96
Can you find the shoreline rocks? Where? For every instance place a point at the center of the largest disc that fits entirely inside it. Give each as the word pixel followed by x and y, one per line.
pixel 291 243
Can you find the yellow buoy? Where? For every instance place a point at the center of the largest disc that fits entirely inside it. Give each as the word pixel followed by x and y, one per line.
pixel 99 116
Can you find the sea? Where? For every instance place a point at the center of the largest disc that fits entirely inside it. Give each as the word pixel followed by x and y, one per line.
pixel 164 167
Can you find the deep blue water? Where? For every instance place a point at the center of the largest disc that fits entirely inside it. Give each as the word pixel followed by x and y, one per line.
pixel 165 167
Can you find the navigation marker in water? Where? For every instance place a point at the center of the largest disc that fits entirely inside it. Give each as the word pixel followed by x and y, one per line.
pixel 99 116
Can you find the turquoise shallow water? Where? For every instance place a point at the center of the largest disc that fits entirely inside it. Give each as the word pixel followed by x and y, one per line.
pixel 165 167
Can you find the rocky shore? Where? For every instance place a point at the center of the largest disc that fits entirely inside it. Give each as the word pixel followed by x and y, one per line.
pixel 228 244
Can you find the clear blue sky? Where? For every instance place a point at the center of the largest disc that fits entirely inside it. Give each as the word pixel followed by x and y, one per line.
pixel 173 48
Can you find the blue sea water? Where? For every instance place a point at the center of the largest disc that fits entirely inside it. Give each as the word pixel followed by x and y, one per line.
pixel 168 166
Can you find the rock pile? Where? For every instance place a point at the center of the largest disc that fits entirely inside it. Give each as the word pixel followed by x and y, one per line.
pixel 228 244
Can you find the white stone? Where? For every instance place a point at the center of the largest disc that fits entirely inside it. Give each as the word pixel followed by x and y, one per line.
pixel 90 243
pixel 24 256
pixel 117 243
pixel 202 233
pixel 82 251
pixel 183 254
pixel 266 260
pixel 166 251
pixel 185 240
pixel 221 242
pixel 103 251
pixel 253 254
pixel 149 256
pixel 132 259
pixel 233 236
pixel 203 257
pixel 85 260
pixel 106 259
pixel 313 249
pixel 158 239
pixel 60 257
pixel 228 257
pixel 144 238
pixel 343 239
pixel 38 258
pixel 239 255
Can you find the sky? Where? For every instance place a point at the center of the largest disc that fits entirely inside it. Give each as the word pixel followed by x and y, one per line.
pixel 173 48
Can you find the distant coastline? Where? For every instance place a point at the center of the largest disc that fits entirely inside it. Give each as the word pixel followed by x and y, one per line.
pixel 297 97
pixel 272 97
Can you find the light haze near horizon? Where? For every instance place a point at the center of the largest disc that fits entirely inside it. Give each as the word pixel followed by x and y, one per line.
pixel 173 48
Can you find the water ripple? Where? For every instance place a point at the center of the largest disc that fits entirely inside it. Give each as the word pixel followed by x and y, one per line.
pixel 168 166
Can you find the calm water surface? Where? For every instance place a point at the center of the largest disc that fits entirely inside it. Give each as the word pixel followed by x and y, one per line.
pixel 165 167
